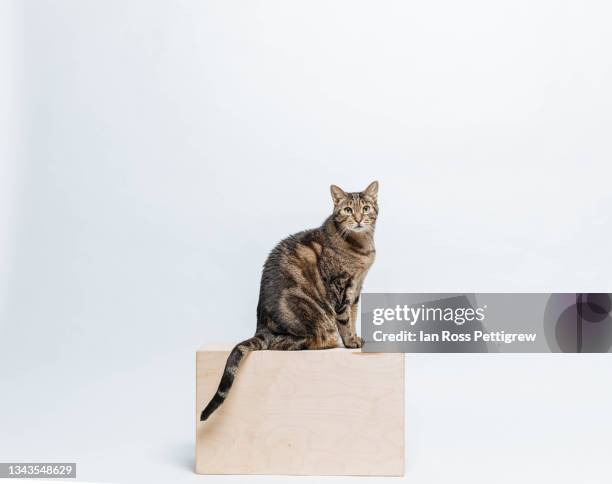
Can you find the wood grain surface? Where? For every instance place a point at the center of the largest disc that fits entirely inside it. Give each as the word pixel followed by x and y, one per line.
pixel 327 412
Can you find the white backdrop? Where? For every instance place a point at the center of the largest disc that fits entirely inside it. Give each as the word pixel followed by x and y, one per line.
pixel 156 151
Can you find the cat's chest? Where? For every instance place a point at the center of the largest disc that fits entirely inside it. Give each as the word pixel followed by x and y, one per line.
pixel 347 274
pixel 360 264
pixel 351 262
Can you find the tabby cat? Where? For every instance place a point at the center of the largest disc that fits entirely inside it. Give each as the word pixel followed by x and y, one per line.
pixel 311 284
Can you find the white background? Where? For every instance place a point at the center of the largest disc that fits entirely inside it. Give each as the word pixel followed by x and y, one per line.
pixel 154 152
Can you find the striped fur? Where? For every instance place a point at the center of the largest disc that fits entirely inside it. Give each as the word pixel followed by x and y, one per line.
pixel 310 286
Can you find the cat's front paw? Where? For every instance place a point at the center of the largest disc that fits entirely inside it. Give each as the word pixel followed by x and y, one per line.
pixel 353 342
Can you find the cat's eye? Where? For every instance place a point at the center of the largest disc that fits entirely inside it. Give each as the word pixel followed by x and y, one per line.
pixel 348 210
pixel 366 209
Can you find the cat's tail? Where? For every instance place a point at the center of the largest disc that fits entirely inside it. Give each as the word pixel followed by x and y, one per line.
pixel 256 343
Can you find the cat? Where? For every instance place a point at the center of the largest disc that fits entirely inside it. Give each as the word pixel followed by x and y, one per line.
pixel 310 286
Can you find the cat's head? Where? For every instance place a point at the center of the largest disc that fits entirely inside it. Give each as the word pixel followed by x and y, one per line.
pixel 355 211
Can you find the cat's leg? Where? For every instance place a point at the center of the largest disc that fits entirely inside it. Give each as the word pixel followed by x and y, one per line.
pixel 289 342
pixel 354 314
pixel 347 325
pixel 302 321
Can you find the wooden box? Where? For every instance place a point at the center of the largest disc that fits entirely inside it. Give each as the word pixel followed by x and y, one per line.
pixel 327 412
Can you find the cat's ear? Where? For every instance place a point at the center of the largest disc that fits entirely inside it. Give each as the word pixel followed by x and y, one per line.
pixel 337 194
pixel 372 190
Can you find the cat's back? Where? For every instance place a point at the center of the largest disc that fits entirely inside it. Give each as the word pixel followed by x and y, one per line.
pixel 306 246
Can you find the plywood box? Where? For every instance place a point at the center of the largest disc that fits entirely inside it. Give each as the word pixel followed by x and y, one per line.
pixel 326 412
